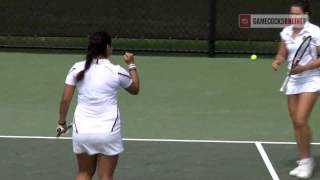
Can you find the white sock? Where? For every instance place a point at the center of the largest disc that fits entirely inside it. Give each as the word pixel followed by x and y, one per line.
pixel 306 160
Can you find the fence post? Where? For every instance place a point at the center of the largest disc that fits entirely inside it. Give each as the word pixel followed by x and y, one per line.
pixel 212 28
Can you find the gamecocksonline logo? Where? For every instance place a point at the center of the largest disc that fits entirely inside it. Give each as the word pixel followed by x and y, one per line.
pixel 271 20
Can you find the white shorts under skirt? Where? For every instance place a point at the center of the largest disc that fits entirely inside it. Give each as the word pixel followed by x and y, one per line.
pixel 311 84
pixel 109 144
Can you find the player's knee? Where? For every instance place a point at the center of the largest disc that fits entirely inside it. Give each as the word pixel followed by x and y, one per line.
pixel 300 123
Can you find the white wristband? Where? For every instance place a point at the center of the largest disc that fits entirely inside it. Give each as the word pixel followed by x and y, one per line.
pixel 132 66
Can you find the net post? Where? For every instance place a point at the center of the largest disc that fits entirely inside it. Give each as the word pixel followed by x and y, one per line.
pixel 212 28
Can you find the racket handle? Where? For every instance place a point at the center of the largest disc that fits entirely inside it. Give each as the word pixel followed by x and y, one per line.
pixel 63 130
pixel 59 131
pixel 285 84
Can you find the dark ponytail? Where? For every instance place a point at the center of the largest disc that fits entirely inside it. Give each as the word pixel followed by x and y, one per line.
pixel 97 46
pixel 304 5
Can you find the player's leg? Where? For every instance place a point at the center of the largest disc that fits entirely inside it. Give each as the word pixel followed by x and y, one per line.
pixel 106 166
pixel 87 166
pixel 305 105
pixel 302 130
pixel 292 107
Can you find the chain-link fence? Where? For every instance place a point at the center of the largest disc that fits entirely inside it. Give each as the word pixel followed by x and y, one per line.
pixel 145 25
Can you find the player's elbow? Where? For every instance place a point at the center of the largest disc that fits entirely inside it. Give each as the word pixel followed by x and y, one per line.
pixel 135 91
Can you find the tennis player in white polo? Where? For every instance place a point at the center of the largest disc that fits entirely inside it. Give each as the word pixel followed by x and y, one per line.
pixel 96 138
pixel 303 86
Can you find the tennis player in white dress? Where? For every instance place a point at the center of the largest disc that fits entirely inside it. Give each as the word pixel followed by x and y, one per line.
pixel 304 84
pixel 96 137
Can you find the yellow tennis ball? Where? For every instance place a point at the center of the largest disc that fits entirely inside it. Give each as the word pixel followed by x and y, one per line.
pixel 254 57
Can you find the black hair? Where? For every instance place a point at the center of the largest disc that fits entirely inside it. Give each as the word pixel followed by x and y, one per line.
pixel 304 5
pixel 97 46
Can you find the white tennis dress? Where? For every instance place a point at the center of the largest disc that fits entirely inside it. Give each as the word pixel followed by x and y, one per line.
pixel 96 124
pixel 308 81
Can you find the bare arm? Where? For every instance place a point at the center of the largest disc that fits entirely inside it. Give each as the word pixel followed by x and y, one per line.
pixel 281 56
pixel 65 103
pixel 299 69
pixel 135 86
pixel 314 65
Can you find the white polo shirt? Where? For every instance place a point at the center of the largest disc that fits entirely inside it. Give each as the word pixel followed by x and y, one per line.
pixel 97 107
pixel 293 45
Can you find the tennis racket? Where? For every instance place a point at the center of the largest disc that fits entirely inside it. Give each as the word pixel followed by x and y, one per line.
pixel 61 131
pixel 296 59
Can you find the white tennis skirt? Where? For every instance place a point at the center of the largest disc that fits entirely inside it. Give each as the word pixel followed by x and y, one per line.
pixel 109 144
pixel 302 85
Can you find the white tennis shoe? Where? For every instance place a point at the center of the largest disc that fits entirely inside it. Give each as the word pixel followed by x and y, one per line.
pixel 304 169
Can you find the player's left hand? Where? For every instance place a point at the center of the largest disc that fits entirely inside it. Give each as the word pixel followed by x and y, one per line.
pixel 298 69
pixel 61 128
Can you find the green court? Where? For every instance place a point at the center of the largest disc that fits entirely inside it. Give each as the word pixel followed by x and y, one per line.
pixel 195 118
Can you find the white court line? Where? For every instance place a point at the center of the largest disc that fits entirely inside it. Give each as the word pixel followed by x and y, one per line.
pixel 267 161
pixel 161 140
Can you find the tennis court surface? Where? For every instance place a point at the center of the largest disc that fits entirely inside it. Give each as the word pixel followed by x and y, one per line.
pixel 196 118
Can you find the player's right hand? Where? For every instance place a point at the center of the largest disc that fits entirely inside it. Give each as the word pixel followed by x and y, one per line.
pixel 275 65
pixel 128 58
